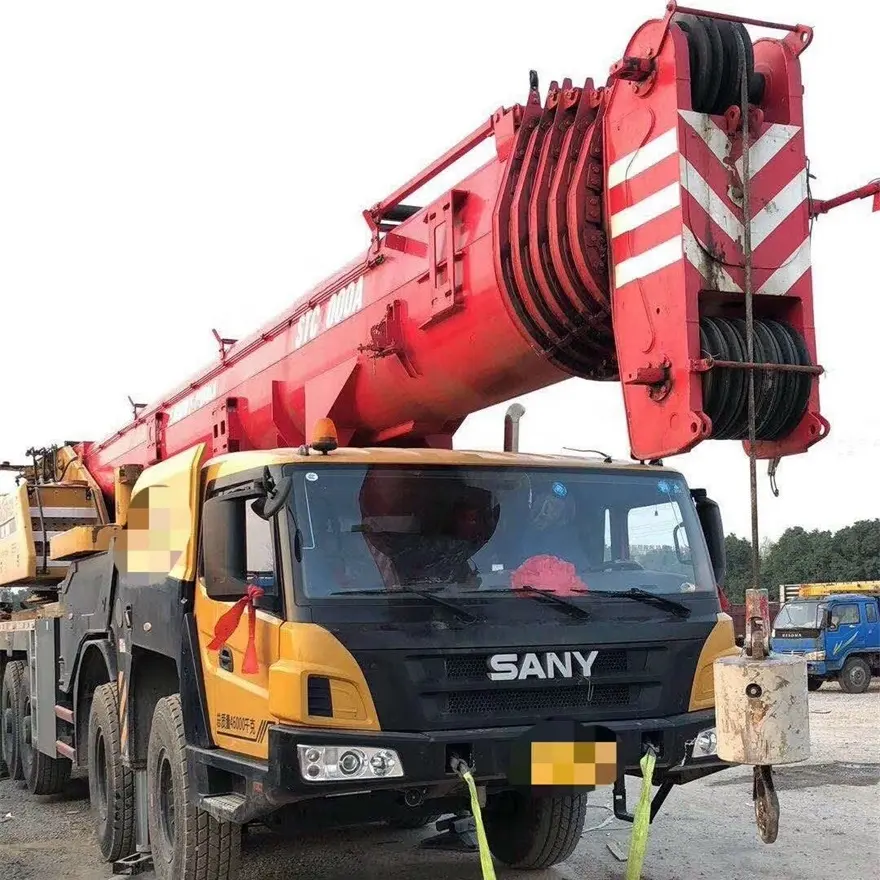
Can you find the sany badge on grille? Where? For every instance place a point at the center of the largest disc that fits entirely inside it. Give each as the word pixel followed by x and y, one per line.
pixel 552 664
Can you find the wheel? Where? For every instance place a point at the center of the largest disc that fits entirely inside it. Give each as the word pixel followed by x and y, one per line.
pixel 532 833
pixel 187 843
pixel 43 775
pixel 10 697
pixel 855 677
pixel 814 682
pixel 111 785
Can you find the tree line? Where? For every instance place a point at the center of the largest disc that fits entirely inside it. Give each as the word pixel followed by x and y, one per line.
pixel 801 557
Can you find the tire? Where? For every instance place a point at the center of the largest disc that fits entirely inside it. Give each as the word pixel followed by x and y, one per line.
pixel 43 775
pixel 531 833
pixel 10 698
pixel 855 677
pixel 111 785
pixel 187 843
pixel 814 682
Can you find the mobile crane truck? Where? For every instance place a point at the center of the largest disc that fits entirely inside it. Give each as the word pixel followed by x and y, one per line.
pixel 410 609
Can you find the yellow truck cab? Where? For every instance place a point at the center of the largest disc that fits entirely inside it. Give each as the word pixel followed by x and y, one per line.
pixel 263 630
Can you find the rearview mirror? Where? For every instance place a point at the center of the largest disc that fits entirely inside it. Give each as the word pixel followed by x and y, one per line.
pixel 269 505
pixel 682 552
pixel 224 548
pixel 713 530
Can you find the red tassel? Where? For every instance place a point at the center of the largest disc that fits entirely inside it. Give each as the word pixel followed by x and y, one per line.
pixel 228 623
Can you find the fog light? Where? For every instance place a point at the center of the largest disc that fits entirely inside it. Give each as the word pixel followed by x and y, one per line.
pixel 332 763
pixel 706 744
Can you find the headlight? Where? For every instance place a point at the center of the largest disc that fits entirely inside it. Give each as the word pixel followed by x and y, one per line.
pixel 814 655
pixel 706 744
pixel 335 763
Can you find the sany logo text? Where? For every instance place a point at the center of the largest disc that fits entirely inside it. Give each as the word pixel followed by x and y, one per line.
pixel 566 664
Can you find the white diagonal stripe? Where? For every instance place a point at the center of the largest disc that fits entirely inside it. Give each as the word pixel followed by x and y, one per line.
pixel 781 281
pixel 710 201
pixel 647 209
pixel 714 137
pixel 644 157
pixel 652 260
pixel 769 218
pixel 766 147
pixel 705 265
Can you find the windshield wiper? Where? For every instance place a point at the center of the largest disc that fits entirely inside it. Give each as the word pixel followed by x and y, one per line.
pixel 572 608
pixel 640 595
pixel 463 613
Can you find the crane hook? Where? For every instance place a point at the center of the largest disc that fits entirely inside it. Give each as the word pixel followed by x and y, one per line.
pixel 771 473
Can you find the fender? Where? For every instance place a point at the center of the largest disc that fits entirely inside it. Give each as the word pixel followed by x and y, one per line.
pixel 108 652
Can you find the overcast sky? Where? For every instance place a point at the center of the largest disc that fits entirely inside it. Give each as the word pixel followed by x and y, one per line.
pixel 166 168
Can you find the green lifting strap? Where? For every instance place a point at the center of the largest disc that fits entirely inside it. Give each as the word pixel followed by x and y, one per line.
pixel 641 819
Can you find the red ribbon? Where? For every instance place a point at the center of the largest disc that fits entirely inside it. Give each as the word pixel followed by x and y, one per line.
pixel 228 623
pixel 548 573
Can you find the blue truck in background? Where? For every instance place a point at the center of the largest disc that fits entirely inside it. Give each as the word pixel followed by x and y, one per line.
pixel 837 629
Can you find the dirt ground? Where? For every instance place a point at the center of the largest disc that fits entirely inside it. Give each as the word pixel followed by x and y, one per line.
pixel 830 809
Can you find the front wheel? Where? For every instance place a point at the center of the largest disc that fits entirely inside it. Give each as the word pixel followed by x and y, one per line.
pixel 532 833
pixel 855 677
pixel 187 842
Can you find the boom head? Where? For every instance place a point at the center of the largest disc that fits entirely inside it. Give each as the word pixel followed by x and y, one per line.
pixel 621 232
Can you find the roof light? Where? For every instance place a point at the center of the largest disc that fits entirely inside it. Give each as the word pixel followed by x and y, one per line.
pixel 324 438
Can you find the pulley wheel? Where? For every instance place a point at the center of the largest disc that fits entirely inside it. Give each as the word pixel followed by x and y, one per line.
pixel 700 55
pixel 781 397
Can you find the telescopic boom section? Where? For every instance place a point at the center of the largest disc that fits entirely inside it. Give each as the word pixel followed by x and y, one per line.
pixel 604 240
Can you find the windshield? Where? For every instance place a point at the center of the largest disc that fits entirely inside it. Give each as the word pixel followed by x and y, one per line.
pixel 798 615
pixel 392 528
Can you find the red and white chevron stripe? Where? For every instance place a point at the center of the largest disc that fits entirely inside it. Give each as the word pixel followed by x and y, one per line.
pixel 679 196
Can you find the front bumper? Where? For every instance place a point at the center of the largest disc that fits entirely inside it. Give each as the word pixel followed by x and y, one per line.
pixel 264 786
pixel 426 756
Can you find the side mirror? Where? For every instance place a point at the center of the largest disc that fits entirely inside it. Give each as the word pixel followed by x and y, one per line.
pixel 269 505
pixel 682 553
pixel 709 515
pixel 224 548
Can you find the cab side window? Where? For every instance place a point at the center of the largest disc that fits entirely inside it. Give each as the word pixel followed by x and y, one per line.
pixel 845 614
pixel 871 611
pixel 260 559
pixel 238 550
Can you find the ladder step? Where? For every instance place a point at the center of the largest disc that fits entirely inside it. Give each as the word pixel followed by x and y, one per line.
pixel 224 807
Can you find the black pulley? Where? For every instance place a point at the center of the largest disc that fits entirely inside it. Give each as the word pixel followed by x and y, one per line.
pixel 781 396
pixel 717 63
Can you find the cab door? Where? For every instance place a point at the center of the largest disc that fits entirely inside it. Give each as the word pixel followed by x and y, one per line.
pixel 237 541
pixel 872 626
pixel 845 632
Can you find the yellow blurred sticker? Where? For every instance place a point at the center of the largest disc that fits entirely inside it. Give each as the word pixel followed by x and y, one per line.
pixel 565 754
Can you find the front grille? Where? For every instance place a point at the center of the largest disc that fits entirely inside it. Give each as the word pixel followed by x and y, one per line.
pixel 462 667
pixel 536 700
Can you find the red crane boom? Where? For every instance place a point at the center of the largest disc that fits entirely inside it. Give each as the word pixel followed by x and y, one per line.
pixel 606 239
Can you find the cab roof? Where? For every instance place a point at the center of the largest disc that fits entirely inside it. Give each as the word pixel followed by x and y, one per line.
pixel 236 462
